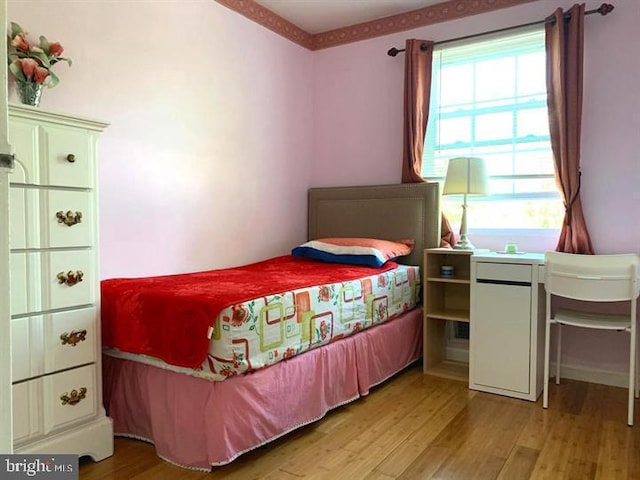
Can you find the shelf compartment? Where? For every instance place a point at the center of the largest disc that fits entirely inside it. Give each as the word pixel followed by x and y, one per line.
pixel 446 300
pixel 446 296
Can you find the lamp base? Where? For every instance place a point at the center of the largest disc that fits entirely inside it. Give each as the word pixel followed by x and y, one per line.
pixel 464 244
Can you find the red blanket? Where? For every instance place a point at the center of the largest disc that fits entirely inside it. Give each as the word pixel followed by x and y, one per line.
pixel 169 317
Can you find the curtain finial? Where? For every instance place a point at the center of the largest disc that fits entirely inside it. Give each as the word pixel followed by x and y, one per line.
pixel 605 8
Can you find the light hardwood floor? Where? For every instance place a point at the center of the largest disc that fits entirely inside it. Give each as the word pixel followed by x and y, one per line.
pixel 422 427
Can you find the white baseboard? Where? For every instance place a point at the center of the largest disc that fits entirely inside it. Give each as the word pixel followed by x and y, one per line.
pixel 457 354
pixel 584 373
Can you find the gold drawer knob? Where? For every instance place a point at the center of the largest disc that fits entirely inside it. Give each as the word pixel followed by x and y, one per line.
pixel 74 397
pixel 71 158
pixel 74 337
pixel 69 218
pixel 70 278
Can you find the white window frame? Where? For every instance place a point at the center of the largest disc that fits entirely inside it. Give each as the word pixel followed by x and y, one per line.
pixel 429 171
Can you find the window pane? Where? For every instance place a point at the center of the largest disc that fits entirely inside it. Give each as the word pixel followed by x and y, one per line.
pixel 523 213
pixel 523 186
pixel 532 161
pixel 456 85
pixel 455 130
pixel 532 121
pixel 494 126
pixel 495 79
pixel 500 163
pixel 531 74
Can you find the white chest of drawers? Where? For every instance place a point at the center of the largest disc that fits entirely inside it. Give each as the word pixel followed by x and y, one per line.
pixel 56 374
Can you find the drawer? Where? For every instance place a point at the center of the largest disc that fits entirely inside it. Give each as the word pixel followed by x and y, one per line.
pixel 27 415
pixel 25 283
pixel 507 272
pixel 23 137
pixel 24 217
pixel 67 218
pixel 74 226
pixel 69 397
pixel 66 159
pixel 68 279
pixel 26 346
pixel 69 339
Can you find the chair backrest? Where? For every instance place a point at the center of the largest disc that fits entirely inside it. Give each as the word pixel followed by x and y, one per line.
pixel 596 278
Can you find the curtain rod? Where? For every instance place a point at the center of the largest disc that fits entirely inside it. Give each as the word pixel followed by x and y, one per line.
pixel 604 9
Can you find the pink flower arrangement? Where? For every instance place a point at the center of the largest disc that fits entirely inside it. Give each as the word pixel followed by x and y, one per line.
pixel 32 63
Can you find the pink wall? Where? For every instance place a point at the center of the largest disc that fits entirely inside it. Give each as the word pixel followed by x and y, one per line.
pixel 358 132
pixel 207 160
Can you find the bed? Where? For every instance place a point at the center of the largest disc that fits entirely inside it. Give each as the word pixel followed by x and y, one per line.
pixel 197 420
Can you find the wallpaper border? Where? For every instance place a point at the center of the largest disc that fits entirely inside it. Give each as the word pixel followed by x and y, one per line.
pixel 440 12
pixel 274 22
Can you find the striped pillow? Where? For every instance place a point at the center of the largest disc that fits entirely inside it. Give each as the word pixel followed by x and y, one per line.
pixel 354 251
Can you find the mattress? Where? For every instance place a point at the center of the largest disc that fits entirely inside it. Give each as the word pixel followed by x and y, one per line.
pixel 259 332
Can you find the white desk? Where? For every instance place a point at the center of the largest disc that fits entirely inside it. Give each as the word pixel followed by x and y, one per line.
pixel 506 342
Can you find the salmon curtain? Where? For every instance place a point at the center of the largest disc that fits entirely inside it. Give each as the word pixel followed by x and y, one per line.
pixel 417 90
pixel 564 48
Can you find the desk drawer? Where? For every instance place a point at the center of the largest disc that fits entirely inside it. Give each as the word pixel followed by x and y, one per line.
pixel 503 272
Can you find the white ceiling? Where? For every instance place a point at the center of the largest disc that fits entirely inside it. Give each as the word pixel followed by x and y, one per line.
pixel 315 16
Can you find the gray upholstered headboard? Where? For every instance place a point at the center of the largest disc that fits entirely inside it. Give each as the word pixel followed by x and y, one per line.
pixel 389 212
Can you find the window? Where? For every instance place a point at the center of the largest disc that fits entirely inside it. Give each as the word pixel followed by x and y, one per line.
pixel 488 99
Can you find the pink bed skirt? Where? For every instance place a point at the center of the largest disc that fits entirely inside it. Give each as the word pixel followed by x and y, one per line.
pixel 197 424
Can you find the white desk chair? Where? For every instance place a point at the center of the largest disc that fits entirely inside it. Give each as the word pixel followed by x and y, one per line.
pixel 592 278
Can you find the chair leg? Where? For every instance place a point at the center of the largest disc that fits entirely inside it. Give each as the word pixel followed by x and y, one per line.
pixel 632 374
pixel 637 379
pixel 545 382
pixel 558 353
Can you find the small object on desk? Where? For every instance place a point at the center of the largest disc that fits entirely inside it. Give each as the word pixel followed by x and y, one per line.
pixel 446 271
pixel 511 247
pixel 504 252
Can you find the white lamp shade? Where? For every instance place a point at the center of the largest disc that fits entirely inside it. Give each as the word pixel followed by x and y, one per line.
pixel 466 175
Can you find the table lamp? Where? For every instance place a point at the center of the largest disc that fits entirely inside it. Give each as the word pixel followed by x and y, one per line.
pixel 466 176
